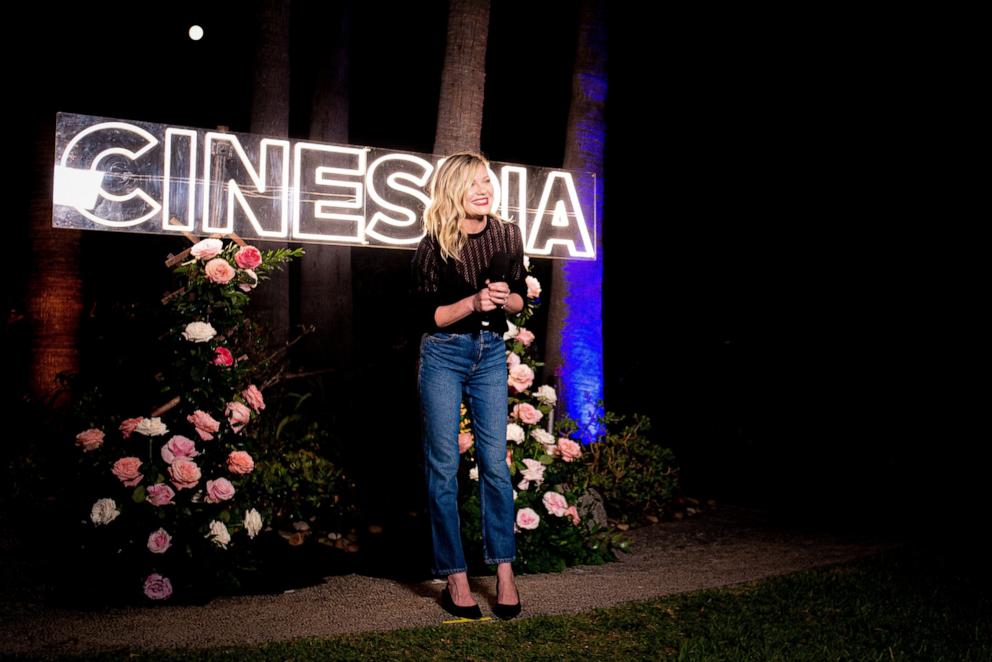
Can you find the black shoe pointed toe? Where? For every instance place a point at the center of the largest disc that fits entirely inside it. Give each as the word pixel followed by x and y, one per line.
pixel 505 611
pixel 449 606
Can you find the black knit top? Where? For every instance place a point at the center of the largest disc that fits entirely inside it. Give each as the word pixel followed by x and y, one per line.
pixel 439 282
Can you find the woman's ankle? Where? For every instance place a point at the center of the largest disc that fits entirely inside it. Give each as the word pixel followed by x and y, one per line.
pixel 459 589
pixel 458 577
pixel 504 570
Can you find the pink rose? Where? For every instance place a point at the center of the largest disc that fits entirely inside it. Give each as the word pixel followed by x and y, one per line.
pixel 527 518
pixel 240 462
pixel 555 503
pixel 520 378
pixel 204 423
pixel 512 360
pixel 160 494
pixel 248 257
pixel 465 441
pixel 254 398
pixel 223 357
pixel 159 541
pixel 128 425
pixel 126 469
pixel 90 440
pixel 527 413
pixel 158 587
pixel 179 446
pixel 568 449
pixel 237 415
pixel 525 336
pixel 573 513
pixel 206 249
pixel 219 270
pixel 250 279
pixel 509 457
pixel 219 490
pixel 185 474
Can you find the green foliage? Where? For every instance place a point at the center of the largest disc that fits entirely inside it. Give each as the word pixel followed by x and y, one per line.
pixel 627 472
pixel 635 474
pixel 188 369
pixel 298 477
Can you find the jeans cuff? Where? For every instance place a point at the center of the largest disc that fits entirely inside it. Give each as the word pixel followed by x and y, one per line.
pixel 496 561
pixel 445 573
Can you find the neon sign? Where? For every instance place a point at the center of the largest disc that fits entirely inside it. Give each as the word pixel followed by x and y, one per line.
pixel 130 176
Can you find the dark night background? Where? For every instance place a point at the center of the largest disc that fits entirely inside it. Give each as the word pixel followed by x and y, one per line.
pixel 768 302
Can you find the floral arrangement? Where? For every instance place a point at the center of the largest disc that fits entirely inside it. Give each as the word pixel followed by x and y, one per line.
pixel 169 485
pixel 637 478
pixel 553 529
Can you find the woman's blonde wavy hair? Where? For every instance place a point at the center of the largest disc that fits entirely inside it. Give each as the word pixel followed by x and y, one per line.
pixel 447 189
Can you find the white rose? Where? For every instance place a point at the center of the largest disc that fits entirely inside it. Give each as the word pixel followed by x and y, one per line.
pixel 526 262
pixel 473 473
pixel 252 283
pixel 514 495
pixel 199 332
pixel 151 427
pixel 104 511
pixel 206 249
pixel 547 395
pixel 511 331
pixel 534 471
pixel 253 523
pixel 533 287
pixel 543 437
pixel 219 534
pixel 514 433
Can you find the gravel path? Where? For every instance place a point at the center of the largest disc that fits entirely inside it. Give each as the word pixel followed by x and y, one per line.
pixel 718 548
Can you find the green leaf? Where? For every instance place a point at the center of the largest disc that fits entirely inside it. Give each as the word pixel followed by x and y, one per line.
pixel 139 494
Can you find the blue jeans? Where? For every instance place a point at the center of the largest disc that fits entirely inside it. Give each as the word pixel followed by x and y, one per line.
pixel 473 364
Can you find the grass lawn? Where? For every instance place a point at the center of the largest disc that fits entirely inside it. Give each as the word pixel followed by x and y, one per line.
pixel 912 603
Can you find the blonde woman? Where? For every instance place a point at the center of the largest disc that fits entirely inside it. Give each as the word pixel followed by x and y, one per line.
pixel 469 275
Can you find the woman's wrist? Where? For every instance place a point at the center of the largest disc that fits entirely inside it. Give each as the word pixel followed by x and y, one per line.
pixel 445 315
pixel 514 304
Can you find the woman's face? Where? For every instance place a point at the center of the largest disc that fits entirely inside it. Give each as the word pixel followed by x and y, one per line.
pixel 478 200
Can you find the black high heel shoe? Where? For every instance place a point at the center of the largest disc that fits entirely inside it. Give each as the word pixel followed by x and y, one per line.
pixel 505 611
pixel 473 612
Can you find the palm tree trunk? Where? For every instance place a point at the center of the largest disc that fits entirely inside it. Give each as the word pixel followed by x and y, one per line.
pixel 54 300
pixel 463 78
pixel 270 117
pixel 574 349
pixel 325 280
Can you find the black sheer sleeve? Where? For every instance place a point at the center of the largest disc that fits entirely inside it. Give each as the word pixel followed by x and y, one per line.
pixel 426 270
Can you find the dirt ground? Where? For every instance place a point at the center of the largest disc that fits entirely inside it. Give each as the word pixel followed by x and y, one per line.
pixel 730 545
